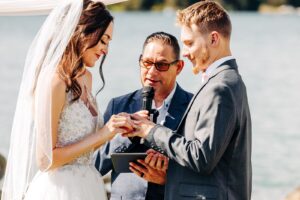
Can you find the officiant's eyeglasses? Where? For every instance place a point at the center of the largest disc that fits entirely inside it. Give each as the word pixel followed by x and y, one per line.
pixel 159 66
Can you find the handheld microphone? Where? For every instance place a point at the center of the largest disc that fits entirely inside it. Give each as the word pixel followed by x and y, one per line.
pixel 148 95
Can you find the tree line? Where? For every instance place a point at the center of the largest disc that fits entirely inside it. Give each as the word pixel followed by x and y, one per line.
pixel 250 5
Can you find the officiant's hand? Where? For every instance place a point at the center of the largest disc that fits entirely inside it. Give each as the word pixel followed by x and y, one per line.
pixel 157 160
pixel 153 168
pixel 142 126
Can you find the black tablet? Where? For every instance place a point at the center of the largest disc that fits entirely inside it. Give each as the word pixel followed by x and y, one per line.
pixel 121 160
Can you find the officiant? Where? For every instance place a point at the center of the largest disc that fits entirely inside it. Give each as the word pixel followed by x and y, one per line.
pixel 160 64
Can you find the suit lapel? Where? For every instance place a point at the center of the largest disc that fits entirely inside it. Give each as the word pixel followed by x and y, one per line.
pixel 176 109
pixel 136 104
pixel 230 64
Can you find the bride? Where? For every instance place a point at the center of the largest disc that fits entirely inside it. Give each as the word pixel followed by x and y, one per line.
pixel 57 124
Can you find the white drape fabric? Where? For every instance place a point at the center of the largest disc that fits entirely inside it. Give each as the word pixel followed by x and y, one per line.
pixel 33 7
pixel 31 138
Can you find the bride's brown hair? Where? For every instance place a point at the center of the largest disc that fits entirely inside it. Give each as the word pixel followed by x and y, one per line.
pixel 93 22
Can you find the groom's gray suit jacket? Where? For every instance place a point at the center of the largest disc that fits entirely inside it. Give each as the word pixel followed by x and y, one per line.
pixel 210 153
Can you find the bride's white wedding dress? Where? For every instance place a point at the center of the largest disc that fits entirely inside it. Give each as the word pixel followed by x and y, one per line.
pixel 79 179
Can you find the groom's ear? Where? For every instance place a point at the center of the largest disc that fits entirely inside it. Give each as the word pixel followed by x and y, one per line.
pixel 214 38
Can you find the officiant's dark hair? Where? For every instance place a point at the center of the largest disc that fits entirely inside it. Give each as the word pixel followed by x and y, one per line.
pixel 165 38
pixel 93 22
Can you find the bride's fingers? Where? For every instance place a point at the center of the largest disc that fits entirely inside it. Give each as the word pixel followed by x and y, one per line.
pixel 130 134
pixel 121 130
pixel 116 123
pixel 136 117
pixel 115 118
pixel 142 113
pixel 136 122
pixel 124 114
pixel 123 124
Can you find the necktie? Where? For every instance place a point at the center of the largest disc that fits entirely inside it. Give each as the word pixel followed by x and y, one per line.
pixel 155 115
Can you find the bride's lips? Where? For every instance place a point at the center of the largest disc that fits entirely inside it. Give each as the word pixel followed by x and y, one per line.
pixel 97 55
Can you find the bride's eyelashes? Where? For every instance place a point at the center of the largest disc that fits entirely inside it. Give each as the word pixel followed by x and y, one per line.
pixel 103 42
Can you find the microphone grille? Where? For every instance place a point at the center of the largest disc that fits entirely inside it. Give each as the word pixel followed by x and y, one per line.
pixel 148 91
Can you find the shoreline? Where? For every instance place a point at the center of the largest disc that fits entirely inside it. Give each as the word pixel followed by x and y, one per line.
pixel 281 10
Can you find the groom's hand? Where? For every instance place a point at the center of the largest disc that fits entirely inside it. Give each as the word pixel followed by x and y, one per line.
pixel 142 126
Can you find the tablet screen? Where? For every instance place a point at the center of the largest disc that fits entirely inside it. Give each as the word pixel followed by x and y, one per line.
pixel 121 160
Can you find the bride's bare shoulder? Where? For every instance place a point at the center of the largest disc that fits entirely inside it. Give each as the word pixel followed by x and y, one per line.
pixel 58 85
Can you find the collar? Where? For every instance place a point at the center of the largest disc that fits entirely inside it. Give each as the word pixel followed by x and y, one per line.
pixel 216 64
pixel 167 101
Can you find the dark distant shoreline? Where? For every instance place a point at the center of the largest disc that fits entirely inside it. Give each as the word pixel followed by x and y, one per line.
pixel 290 6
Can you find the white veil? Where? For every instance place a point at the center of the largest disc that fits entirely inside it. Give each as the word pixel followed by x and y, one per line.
pixel 31 128
pixel 34 7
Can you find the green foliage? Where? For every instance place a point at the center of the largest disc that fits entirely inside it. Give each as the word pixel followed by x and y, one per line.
pixel 276 2
pixel 251 5
pixel 294 3
pixel 2 166
pixel 242 4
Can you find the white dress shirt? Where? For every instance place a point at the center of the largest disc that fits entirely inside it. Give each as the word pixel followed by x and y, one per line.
pixel 205 75
pixel 163 109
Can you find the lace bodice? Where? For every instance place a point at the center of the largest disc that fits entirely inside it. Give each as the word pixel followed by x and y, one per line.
pixel 76 122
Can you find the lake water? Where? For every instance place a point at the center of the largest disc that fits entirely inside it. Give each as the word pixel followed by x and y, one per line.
pixel 267 48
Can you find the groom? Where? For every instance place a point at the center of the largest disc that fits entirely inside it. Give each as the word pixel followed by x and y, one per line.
pixel 210 153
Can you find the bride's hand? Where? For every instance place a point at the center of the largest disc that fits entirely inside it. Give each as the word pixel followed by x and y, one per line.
pixel 142 113
pixel 141 125
pixel 119 124
pixel 130 117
